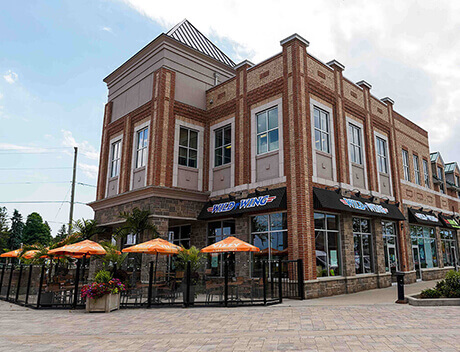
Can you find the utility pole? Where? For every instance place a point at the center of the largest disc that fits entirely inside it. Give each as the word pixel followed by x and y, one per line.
pixel 72 195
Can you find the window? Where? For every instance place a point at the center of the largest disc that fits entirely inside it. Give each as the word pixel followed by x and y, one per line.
pixel 390 246
pixel 457 183
pixel 269 234
pixel 449 247
pixel 223 145
pixel 405 159
pixel 115 156
pixel 441 178
pixel 362 239
pixel 327 245
pixel 267 131
pixel 322 133
pixel 188 147
pixel 131 239
pixel 217 231
pixel 181 235
pixel 141 147
pixel 354 135
pixel 426 173
pixel 382 161
pixel 416 170
pixel 425 239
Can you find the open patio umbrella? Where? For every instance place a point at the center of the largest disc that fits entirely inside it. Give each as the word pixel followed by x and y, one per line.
pixel 11 254
pixel 155 246
pixel 80 249
pixel 230 244
pixel 30 254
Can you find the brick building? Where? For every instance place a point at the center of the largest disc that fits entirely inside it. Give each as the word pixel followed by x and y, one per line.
pixel 287 154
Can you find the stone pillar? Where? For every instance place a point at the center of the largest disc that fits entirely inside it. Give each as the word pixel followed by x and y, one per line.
pixel 378 250
pixel 439 247
pixel 347 242
pixel 242 231
pixel 104 155
pixel 162 225
pixel 126 156
pixel 298 153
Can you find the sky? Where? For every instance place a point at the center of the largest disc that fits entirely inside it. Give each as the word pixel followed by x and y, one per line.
pixel 54 55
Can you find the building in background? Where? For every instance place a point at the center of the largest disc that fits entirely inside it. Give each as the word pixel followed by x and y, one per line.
pixel 287 154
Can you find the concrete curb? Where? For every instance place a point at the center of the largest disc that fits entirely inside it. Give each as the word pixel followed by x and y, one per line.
pixel 414 300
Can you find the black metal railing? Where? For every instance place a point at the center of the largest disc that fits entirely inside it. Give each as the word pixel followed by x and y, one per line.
pixel 293 279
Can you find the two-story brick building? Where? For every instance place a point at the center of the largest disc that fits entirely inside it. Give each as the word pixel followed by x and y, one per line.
pixel 287 154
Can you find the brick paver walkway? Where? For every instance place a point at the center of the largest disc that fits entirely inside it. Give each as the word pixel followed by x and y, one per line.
pixel 296 327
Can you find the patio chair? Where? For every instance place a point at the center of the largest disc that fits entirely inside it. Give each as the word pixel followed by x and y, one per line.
pixel 211 289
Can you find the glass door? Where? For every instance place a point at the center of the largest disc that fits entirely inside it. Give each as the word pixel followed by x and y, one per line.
pixel 392 259
pixel 416 256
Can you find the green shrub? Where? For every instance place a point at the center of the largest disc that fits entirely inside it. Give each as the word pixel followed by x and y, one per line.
pixel 103 277
pixel 449 287
pixel 430 293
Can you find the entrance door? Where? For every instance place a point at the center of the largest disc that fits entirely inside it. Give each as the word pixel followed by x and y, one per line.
pixel 392 259
pixel 416 255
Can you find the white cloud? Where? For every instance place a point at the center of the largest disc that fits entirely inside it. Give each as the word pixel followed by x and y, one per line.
pixel 107 29
pixel 1 95
pixel 89 170
pixel 84 147
pixel 407 50
pixel 21 148
pixel 11 77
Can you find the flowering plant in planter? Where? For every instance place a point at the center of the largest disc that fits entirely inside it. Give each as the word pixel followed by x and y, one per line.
pixel 104 284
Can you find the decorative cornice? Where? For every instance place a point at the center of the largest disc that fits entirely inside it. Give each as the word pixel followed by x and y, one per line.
pixel 295 36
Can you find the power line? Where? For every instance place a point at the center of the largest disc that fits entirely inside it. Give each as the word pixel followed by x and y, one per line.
pixel 35 168
pixel 31 182
pixel 39 202
pixel 86 184
pixel 41 148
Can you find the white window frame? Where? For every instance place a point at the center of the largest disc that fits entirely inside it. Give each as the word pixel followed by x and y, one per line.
pixel 426 173
pixel 355 145
pixel 200 130
pixel 212 149
pixel 117 138
pixel 274 103
pixel 442 188
pixel 416 161
pixel 316 103
pixel 321 130
pixel 385 138
pixel 137 129
pixel 267 131
pixel 405 160
pixel 363 150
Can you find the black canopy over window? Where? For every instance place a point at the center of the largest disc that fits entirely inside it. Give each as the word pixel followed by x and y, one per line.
pixel 423 218
pixel 326 199
pixel 449 221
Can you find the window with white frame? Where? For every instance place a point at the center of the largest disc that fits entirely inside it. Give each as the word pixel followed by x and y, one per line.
pixel 141 147
pixel 354 135
pixel 115 156
pixel 363 246
pixel 426 173
pixel 223 145
pixel 405 160
pixel 382 158
pixel 188 147
pixel 322 130
pixel 441 178
pixel 267 131
pixel 416 170
pixel 327 245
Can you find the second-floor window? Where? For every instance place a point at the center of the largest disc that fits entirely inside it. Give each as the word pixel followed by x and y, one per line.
pixel 322 130
pixel 457 183
pixel 141 147
pixel 416 170
pixel 188 147
pixel 441 178
pixel 267 131
pixel 426 173
pixel 115 156
pixel 405 160
pixel 382 158
pixel 223 146
pixel 354 133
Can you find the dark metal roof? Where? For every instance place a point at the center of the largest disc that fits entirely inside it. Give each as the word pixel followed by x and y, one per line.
pixel 187 34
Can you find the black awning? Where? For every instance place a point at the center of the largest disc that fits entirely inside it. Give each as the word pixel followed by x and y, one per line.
pixel 423 217
pixel 326 199
pixel 449 221
pixel 260 201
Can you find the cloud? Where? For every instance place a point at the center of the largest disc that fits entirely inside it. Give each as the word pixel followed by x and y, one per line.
pixel 107 29
pixel 407 50
pixel 84 147
pixel 11 77
pixel 1 95
pixel 89 170
pixel 21 148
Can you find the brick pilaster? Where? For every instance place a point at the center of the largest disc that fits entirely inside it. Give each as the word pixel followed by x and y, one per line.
pixel 104 153
pixel 126 156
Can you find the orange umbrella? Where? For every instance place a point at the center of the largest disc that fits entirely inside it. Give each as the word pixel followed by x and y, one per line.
pixel 77 250
pixel 30 254
pixel 12 254
pixel 158 245
pixel 230 244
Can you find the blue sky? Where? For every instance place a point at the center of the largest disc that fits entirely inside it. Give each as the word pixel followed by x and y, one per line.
pixel 55 54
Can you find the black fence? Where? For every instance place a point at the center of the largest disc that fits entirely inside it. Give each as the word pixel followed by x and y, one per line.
pixel 293 279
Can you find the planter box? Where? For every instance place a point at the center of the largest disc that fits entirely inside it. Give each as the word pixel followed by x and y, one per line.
pixel 415 300
pixel 105 304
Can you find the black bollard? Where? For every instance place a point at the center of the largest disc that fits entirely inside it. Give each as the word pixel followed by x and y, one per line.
pixel 400 280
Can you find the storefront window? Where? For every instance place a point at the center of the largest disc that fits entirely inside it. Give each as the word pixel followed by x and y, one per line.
pixel 363 246
pixel 327 245
pixel 269 234
pixel 217 231
pixel 390 246
pixel 181 235
pixel 449 247
pixel 425 239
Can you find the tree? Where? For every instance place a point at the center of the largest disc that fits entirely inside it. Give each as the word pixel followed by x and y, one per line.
pixel 136 223
pixel 61 235
pixel 36 231
pixel 86 229
pixel 17 228
pixel 4 232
